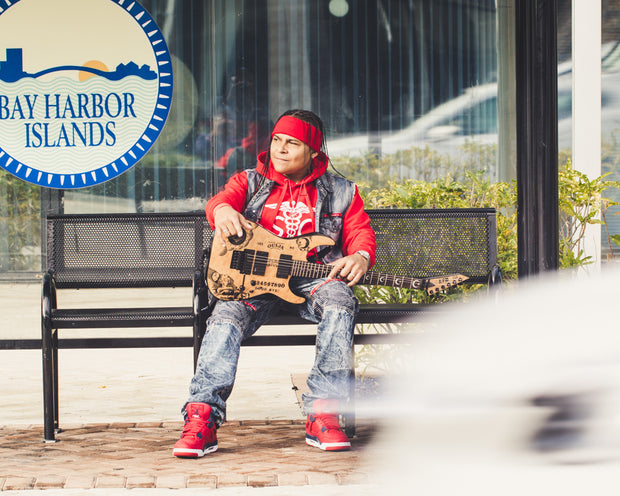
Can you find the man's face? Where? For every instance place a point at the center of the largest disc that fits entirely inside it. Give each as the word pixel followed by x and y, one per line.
pixel 290 156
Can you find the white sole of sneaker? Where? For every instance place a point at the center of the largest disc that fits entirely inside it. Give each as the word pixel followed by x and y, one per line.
pixel 328 446
pixel 193 453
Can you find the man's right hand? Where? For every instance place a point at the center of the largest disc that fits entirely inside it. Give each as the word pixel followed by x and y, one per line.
pixel 228 221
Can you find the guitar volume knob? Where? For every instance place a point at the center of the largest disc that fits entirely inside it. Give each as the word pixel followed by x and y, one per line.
pixel 237 240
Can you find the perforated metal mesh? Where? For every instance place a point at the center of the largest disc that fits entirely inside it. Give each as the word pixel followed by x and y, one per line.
pixel 152 250
pixel 427 243
pixel 126 250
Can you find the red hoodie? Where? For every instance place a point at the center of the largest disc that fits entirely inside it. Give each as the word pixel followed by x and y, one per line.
pixel 289 209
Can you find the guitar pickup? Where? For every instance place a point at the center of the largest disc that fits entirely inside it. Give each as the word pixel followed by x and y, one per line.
pixel 285 266
pixel 249 262
pixel 260 263
pixel 237 260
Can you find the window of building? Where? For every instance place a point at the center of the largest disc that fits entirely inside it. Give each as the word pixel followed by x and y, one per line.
pixel 385 75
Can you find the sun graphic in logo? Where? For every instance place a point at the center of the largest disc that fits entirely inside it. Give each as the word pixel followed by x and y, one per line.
pixel 93 64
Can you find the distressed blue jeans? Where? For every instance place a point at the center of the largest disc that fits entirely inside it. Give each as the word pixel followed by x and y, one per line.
pixel 329 303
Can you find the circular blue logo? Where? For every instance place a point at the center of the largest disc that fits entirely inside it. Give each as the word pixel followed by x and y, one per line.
pixel 85 89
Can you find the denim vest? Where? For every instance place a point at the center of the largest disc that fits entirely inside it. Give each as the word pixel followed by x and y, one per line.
pixel 334 196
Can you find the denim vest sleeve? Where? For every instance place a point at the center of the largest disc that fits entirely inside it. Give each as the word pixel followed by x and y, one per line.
pixel 334 196
pixel 255 200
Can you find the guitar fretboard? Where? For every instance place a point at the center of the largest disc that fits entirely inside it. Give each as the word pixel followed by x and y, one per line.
pixel 315 271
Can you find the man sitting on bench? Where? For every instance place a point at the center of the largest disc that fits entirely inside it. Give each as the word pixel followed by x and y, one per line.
pixel 290 193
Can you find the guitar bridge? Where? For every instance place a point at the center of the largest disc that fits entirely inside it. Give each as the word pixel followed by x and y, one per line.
pixel 237 260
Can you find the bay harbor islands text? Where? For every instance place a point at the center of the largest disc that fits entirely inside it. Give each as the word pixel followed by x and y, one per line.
pixel 69 120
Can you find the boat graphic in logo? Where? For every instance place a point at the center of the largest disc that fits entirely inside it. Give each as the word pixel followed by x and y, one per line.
pixel 85 89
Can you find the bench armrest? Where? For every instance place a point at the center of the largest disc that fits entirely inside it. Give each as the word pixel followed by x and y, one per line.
pixel 48 295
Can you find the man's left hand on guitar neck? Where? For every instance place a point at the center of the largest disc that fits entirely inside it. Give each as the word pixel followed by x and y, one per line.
pixel 350 268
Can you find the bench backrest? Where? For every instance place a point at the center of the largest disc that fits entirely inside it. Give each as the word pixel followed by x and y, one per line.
pixel 435 242
pixel 126 250
pixel 164 250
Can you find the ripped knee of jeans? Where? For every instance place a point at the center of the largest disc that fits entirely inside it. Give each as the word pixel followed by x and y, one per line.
pixel 335 294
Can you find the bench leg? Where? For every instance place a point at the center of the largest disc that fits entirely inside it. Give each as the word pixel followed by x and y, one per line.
pixel 49 352
pixel 55 364
pixel 50 386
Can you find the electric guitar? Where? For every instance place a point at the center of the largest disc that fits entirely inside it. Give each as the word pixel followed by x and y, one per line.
pixel 260 262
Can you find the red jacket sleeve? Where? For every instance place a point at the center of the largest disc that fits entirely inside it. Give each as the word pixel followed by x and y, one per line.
pixel 356 231
pixel 233 194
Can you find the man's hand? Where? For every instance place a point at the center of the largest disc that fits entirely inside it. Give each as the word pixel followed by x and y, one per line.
pixel 228 222
pixel 350 268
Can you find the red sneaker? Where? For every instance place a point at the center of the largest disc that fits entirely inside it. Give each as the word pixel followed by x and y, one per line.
pixel 199 433
pixel 323 429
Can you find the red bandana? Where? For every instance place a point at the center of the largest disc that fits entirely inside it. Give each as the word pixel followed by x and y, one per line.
pixel 298 129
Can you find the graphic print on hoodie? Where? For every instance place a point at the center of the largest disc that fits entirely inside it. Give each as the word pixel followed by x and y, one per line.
pixel 291 204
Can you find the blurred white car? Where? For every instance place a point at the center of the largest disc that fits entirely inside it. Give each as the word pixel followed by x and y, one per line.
pixel 513 395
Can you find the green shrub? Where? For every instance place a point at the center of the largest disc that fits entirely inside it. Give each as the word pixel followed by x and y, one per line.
pixel 581 204
pixel 372 172
pixel 472 192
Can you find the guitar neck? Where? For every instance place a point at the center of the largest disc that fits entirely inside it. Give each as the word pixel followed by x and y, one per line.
pixel 317 271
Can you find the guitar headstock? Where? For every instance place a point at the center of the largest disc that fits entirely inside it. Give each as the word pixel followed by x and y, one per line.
pixel 436 284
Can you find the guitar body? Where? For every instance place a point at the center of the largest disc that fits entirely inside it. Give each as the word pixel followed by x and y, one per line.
pixel 258 263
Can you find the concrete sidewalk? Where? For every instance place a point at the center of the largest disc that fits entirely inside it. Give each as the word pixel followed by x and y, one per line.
pixel 447 432
pixel 145 384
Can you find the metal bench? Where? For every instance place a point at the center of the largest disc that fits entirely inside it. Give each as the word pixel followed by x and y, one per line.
pixel 163 250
